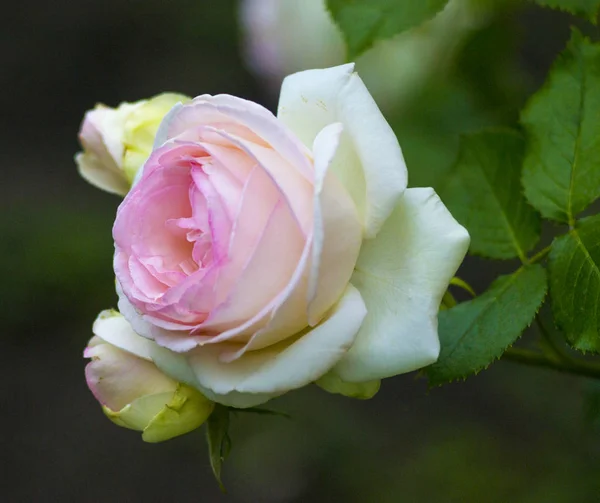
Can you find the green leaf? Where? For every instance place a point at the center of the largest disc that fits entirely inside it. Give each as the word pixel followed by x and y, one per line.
pixel 585 8
pixel 575 284
pixel 219 442
pixel 365 21
pixel 475 333
pixel 483 192
pixel 561 173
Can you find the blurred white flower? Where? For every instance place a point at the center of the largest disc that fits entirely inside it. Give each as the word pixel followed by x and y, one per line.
pixel 286 36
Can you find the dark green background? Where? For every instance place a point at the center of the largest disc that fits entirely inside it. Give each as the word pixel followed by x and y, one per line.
pixel 510 434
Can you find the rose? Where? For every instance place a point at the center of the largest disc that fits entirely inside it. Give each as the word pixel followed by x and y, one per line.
pixel 236 249
pixel 133 392
pixel 117 141
pixel 263 253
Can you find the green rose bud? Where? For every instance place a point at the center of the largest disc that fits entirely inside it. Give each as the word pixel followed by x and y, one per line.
pixel 117 141
pixel 133 392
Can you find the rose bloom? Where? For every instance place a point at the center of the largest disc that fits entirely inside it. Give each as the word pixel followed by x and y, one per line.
pixel 263 253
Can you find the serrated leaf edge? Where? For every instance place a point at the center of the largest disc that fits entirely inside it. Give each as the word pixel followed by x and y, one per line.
pixel 573 233
pixel 464 377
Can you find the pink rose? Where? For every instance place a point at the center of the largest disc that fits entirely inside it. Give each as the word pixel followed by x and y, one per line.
pixel 261 253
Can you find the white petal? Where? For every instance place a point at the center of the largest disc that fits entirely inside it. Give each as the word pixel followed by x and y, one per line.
pixel 402 276
pixel 260 375
pixel 337 230
pixel 178 367
pixel 113 328
pixel 98 174
pixel 369 161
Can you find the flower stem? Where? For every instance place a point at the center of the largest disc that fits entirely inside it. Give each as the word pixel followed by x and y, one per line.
pixel 535 359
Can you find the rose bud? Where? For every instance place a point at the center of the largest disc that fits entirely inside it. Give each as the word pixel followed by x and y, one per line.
pixel 117 141
pixel 133 392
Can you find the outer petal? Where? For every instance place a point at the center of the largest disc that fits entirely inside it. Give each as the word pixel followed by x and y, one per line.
pixel 94 172
pixel 260 375
pixel 117 378
pixel 186 411
pixel 140 412
pixel 402 275
pixel 369 161
pixel 101 136
pixel 113 328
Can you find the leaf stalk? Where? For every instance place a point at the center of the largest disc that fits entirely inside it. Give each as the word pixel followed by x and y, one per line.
pixel 539 256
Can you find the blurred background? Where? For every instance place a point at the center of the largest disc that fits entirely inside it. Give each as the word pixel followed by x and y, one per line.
pixel 510 434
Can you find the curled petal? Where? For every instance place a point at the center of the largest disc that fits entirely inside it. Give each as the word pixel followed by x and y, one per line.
pixel 369 161
pixel 337 230
pixel 110 326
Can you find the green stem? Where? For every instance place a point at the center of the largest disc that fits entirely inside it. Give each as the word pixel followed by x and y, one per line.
pixel 539 256
pixel 573 366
